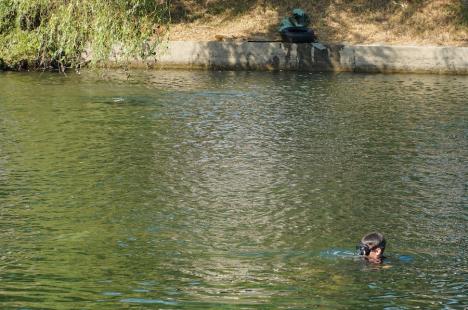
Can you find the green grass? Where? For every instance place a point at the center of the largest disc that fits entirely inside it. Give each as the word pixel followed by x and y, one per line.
pixel 53 34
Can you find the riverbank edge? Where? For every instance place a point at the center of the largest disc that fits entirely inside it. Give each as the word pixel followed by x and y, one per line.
pixel 307 57
pixel 278 56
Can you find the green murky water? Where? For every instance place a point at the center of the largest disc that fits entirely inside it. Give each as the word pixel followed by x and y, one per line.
pixel 222 190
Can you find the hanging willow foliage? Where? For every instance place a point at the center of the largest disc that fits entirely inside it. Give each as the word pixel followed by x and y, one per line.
pixel 55 33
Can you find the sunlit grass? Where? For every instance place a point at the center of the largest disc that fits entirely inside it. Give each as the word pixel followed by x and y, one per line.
pixel 430 22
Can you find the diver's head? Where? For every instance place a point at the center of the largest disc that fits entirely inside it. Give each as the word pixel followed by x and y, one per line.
pixel 372 246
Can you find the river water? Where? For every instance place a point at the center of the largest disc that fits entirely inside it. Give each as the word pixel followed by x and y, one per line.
pixel 231 190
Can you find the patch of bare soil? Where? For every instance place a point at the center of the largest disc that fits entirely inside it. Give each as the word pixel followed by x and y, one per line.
pixel 431 22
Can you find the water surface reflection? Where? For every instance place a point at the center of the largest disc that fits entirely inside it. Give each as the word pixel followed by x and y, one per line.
pixel 177 189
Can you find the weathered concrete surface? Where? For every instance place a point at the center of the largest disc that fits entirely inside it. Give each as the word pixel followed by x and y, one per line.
pixel 375 58
pixel 304 57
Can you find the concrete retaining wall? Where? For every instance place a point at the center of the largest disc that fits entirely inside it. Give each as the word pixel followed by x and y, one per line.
pixel 305 57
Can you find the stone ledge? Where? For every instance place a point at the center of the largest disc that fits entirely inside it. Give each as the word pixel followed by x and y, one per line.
pixel 305 57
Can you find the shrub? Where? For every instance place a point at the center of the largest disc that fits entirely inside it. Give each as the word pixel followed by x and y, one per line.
pixel 55 33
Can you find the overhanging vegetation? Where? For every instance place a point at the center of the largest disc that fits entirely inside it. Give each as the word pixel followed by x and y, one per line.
pixel 54 33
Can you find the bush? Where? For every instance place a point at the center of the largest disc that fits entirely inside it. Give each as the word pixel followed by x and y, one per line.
pixel 55 33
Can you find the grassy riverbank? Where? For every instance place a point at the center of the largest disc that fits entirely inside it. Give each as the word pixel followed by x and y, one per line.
pixel 55 33
pixel 432 22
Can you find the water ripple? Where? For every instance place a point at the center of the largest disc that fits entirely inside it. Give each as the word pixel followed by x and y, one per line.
pixel 231 189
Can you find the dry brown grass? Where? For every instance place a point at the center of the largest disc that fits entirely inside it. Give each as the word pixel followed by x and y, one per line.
pixel 431 22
